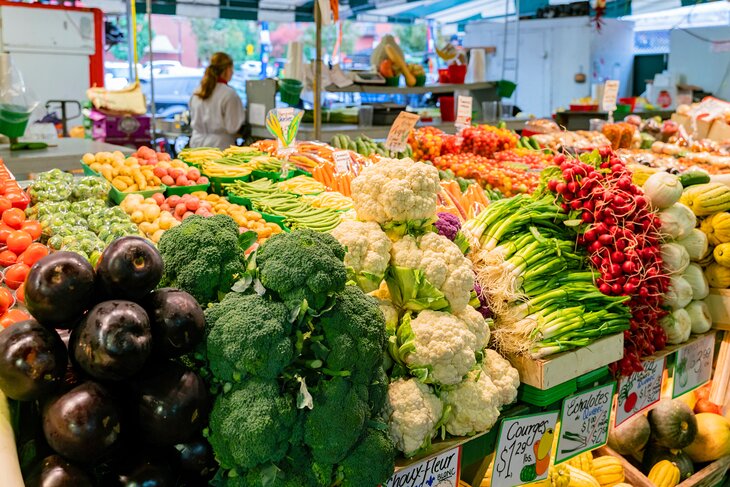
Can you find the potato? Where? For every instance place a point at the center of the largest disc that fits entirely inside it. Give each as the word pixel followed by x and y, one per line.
pixel 119 184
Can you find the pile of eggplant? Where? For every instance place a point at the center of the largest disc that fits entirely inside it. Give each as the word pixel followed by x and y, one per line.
pixel 99 393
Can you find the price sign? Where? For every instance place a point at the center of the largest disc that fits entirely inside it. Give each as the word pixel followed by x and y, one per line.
pixel 639 390
pixel 398 135
pixel 523 449
pixel 441 470
pixel 610 94
pixel 693 366
pixel 342 161
pixel 584 421
pixel 285 117
pixel 463 112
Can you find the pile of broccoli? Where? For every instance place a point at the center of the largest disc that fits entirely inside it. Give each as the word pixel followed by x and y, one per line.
pixel 298 360
pixel 202 256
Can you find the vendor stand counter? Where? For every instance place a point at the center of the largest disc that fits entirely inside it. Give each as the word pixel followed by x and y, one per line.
pixel 64 154
pixel 581 120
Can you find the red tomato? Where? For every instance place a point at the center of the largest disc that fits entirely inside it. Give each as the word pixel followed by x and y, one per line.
pixel 6 299
pixel 5 204
pixel 18 241
pixel 14 217
pixel 13 316
pixel 5 231
pixel 15 275
pixel 20 293
pixel 19 199
pixel 8 258
pixel 35 252
pixel 32 228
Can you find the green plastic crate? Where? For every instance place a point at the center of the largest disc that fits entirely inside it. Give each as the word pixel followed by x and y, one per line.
pixel 216 183
pixel 181 190
pixel 88 171
pixel 118 196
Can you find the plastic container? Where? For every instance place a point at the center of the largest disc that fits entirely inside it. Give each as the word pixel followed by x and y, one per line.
pixel 290 90
pixel 181 190
pixel 88 171
pixel 631 101
pixel 13 120
pixel 118 196
pixel 392 81
pixel 276 176
pixel 421 80
pixel 457 73
pixel 216 183
pixel 505 88
pixel 239 200
pixel 443 75
pixel 583 108
pixel 446 105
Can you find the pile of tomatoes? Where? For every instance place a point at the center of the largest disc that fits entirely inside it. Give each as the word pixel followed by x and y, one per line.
pixel 485 140
pixel 19 248
pixel 426 143
pixel 511 172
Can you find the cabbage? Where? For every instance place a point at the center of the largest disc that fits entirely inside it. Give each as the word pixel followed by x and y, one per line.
pixel 679 293
pixel 677 221
pixel 677 326
pixel 662 189
pixel 699 315
pixel 674 257
pixel 697 281
pixel 695 243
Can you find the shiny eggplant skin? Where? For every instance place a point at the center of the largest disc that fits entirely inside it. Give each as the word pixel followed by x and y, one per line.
pixel 59 289
pixel 33 360
pixel 172 404
pixel 114 340
pixel 129 268
pixel 177 321
pixel 83 424
pixel 55 471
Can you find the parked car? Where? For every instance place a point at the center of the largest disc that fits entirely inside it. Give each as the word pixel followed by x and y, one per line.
pixel 173 92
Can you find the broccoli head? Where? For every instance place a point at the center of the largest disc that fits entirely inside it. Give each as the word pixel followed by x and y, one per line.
pixel 253 338
pixel 337 419
pixel 251 425
pixel 296 470
pixel 378 391
pixel 303 265
pixel 354 331
pixel 202 256
pixel 371 463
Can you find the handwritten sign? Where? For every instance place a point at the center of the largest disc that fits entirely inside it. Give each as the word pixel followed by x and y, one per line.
pixel 463 112
pixel 584 421
pixel 285 117
pixel 523 449
pixel 694 365
pixel 639 390
pixel 342 161
pixel 610 94
pixel 440 471
pixel 398 135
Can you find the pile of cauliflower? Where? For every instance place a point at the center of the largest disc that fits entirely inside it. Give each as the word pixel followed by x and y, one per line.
pixel 442 374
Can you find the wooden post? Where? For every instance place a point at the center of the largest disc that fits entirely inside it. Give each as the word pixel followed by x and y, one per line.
pixel 318 72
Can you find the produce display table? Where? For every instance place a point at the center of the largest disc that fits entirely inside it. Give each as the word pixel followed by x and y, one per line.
pixel 580 120
pixel 413 90
pixel 64 155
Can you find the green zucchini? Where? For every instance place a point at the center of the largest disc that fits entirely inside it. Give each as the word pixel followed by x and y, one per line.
pixel 691 178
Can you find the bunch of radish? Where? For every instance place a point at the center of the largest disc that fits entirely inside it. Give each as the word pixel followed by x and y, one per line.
pixel 621 234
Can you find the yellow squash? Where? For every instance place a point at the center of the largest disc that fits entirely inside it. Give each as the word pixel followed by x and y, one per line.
pixel 664 474
pixel 706 199
pixel 717 228
pixel 584 462
pixel 722 254
pixel 578 478
pixel 608 471
pixel 559 476
pixel 718 275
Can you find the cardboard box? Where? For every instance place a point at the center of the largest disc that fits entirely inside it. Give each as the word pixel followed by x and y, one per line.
pixel 554 370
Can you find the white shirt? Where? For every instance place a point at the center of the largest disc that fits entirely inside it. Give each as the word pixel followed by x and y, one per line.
pixel 215 121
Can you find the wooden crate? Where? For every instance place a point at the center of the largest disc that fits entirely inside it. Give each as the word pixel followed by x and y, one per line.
pixel 710 476
pixel 719 303
pixel 557 369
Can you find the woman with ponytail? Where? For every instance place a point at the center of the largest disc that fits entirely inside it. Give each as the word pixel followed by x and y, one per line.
pixel 216 111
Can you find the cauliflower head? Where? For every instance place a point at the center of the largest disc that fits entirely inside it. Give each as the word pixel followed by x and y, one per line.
pixel 474 405
pixel 399 194
pixel 368 252
pixel 413 412
pixel 442 263
pixel 477 325
pixel 503 375
pixel 437 347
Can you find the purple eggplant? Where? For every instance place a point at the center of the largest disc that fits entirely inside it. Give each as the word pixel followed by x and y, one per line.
pixel 177 321
pixel 130 267
pixel 55 471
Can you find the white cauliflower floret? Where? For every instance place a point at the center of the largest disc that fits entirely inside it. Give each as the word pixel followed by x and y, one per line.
pixel 503 375
pixel 390 313
pixel 477 325
pixel 441 261
pixel 474 405
pixel 413 411
pixel 396 191
pixel 442 344
pixel 368 251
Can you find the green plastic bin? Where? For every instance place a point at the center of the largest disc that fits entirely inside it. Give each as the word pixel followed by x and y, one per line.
pixel 118 196
pixel 181 190
pixel 13 120
pixel 290 90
